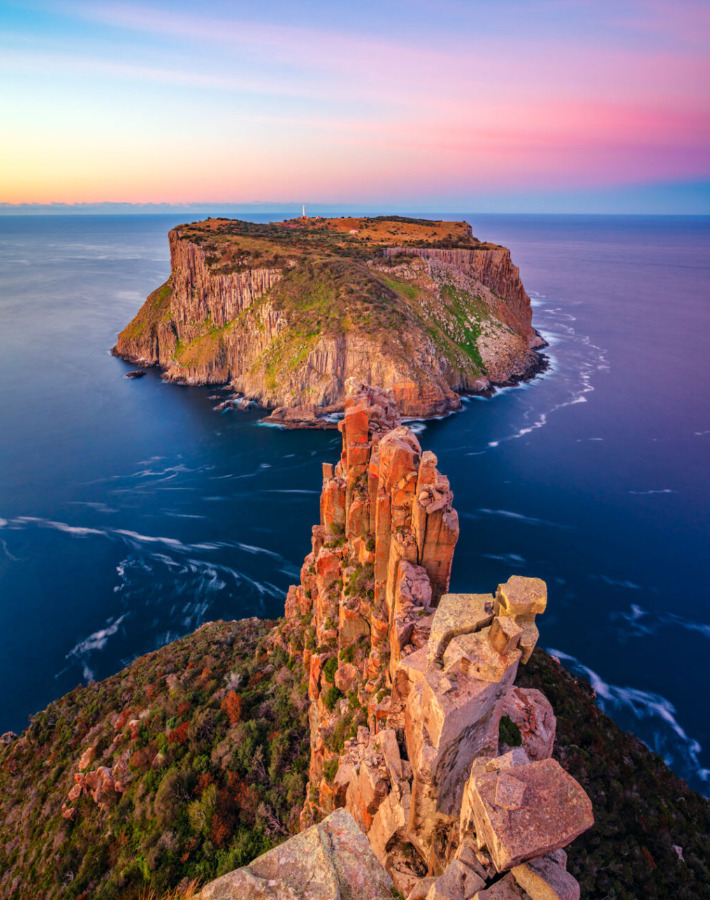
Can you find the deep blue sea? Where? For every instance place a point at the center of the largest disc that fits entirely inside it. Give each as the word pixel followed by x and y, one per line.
pixel 131 512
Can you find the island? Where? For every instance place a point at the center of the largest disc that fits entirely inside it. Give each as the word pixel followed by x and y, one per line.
pixel 285 313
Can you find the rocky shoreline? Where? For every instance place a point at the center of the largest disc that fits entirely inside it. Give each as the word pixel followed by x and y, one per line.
pixel 328 417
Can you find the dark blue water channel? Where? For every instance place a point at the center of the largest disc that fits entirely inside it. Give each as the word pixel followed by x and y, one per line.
pixel 131 512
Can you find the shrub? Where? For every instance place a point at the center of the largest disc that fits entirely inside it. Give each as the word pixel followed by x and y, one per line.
pixel 331 697
pixel 330 769
pixel 232 707
pixel 509 733
pixel 329 669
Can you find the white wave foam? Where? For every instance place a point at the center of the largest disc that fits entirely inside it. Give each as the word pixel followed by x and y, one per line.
pixel 647 493
pixel 6 551
pixel 514 559
pixel 640 622
pixel 614 582
pixel 289 491
pixel 77 530
pixel 593 360
pixel 250 548
pixel 662 732
pixel 176 515
pixel 99 507
pixel 97 640
pixel 700 433
pixel 509 514
pixel 169 542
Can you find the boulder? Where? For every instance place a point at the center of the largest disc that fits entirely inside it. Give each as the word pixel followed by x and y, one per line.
pixel 504 634
pixel 521 596
pixel 87 757
pixel 554 810
pixel 101 785
pixel 346 677
pixel 421 889
pixel 522 599
pixel 505 889
pixel 532 712
pixel 545 879
pixel 329 861
pixel 457 614
pixel 458 882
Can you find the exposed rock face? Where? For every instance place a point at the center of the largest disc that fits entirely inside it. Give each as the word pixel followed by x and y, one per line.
pixel 408 683
pixel 287 313
pixel 330 861
pixel 495 269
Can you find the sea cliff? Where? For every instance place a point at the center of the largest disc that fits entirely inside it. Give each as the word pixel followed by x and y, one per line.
pixel 286 313
pixel 439 750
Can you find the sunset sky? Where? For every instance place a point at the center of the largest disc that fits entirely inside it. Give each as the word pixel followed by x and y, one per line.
pixel 505 105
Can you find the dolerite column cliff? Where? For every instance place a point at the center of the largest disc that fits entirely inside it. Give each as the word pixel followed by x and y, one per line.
pixel 495 269
pixel 412 688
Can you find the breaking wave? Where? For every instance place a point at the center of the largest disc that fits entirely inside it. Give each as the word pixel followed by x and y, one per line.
pixel 583 360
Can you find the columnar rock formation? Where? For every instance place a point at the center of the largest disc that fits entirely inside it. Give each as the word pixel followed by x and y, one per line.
pixel 495 269
pixel 417 728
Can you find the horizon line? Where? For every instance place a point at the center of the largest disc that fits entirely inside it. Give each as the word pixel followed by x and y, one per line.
pixel 121 207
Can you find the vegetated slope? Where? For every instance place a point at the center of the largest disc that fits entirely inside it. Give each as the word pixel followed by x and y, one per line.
pixel 219 793
pixel 194 761
pixel 287 312
pixel 643 810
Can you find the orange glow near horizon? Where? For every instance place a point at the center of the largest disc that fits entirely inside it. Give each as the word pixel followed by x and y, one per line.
pixel 137 104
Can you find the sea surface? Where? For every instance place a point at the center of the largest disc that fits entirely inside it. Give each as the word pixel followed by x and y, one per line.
pixel 131 512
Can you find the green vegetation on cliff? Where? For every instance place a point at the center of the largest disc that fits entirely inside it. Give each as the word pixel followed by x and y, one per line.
pixel 155 310
pixel 214 732
pixel 643 811
pixel 208 738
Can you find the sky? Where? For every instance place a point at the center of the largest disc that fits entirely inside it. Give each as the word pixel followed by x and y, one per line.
pixel 496 106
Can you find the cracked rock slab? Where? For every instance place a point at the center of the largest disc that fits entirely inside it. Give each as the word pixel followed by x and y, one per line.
pixel 330 861
pixel 457 614
pixel 554 811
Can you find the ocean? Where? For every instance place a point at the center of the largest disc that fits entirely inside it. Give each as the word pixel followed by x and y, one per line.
pixel 131 511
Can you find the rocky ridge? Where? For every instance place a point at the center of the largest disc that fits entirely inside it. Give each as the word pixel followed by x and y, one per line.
pixel 419 717
pixel 286 313
pixel 417 727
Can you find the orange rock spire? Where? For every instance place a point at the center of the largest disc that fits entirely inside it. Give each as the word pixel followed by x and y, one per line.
pixel 408 683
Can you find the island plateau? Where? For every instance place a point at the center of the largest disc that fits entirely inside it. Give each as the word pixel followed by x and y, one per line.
pixel 286 312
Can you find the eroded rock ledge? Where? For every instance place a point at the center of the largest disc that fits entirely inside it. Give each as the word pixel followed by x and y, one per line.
pixel 417 727
pixel 286 313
